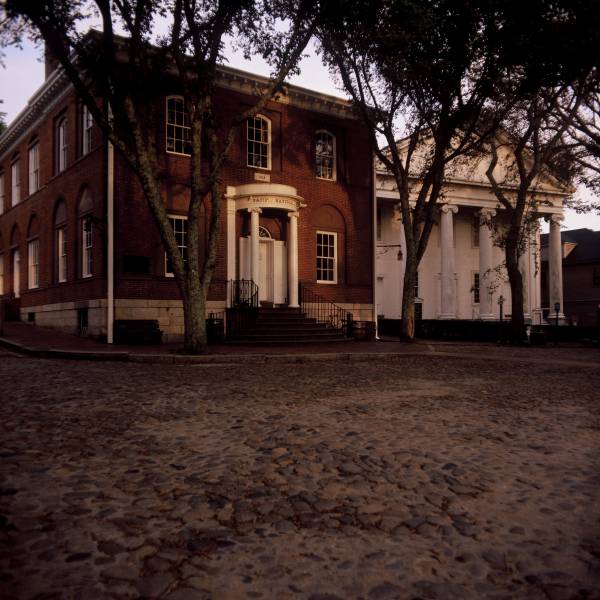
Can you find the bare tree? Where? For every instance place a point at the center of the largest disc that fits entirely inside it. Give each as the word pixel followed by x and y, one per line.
pixel 124 72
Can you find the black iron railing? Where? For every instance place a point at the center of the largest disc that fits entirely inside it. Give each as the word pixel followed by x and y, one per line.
pixel 324 311
pixel 243 305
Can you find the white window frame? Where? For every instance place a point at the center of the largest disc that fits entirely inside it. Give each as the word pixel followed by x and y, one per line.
pixel 33 264
pixel 1 193
pixel 266 120
pixel 34 168
pixel 1 273
pixel 62 144
pixel 183 127
pixel 87 243
pixel 173 219
pixel 61 253
pixel 15 176
pixel 335 257
pixel 333 156
pixel 86 130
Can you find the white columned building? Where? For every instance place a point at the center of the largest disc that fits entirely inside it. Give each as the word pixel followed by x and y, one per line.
pixel 462 273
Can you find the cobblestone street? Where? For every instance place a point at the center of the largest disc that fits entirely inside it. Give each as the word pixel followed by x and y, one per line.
pixel 422 477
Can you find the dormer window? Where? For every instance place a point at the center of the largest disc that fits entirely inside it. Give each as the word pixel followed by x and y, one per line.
pixel 325 155
pixel 178 127
pixel 259 142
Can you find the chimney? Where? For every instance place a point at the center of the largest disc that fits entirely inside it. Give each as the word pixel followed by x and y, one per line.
pixel 50 63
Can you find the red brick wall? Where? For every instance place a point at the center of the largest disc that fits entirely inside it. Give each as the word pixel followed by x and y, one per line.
pixel 81 172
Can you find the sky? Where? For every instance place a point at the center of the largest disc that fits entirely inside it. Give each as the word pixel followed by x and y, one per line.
pixel 22 73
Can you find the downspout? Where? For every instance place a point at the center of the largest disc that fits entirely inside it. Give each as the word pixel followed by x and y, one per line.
pixel 374 219
pixel 110 199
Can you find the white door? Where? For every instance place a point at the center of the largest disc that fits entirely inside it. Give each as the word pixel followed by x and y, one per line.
pixel 265 270
pixel 16 274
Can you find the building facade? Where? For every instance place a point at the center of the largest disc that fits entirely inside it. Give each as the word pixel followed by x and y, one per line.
pixel 461 274
pixel 78 245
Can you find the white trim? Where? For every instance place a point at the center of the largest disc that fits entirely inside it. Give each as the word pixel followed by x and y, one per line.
pixel 269 142
pixel 182 127
pixel 33 159
pixel 15 181
pixel 62 144
pixel 87 265
pixel 335 256
pixel 334 169
pixel 61 253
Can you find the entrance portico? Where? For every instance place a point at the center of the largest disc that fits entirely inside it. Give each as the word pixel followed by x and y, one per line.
pixel 271 263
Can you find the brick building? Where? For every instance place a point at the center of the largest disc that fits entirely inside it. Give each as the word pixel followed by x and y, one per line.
pixel 297 208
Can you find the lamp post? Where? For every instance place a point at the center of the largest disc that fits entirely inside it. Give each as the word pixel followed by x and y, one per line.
pixel 501 305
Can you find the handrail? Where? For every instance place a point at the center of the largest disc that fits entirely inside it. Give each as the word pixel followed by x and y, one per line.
pixel 324 311
pixel 243 305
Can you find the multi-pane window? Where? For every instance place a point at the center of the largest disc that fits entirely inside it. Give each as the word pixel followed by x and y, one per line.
pixel 325 155
pixel 34 168
pixel 326 257
pixel 178 127
pixel 33 262
pixel 1 193
pixel 86 130
pixel 86 247
pixel 180 229
pixel 259 142
pixel 15 175
pixel 61 253
pixel 475 288
pixel 62 145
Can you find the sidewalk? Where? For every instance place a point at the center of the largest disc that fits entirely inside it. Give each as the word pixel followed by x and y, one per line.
pixel 47 343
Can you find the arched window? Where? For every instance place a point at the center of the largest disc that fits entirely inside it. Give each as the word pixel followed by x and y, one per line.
pixel 60 241
pixel 325 155
pixel 178 127
pixel 86 228
pixel 62 144
pixel 259 142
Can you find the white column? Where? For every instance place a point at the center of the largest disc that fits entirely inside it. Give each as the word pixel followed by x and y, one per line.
pixel 555 283
pixel 448 270
pixel 486 264
pixel 293 260
pixel 254 244
pixel 536 266
pixel 231 240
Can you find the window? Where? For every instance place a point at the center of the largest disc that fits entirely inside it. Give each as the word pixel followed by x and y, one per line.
pixel 325 155
pixel 475 288
pixel 15 175
pixel 1 193
pixel 34 168
pixel 180 229
pixel 86 130
pixel 33 257
pixel 259 142
pixel 62 145
pixel 326 257
pixel 61 253
pixel 1 274
pixel 178 127
pixel 86 246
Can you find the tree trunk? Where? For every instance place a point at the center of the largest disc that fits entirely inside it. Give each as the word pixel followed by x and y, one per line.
pixel 408 295
pixel 516 333
pixel 194 311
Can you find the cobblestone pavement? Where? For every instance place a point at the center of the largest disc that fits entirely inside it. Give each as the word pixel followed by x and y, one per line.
pixel 419 478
